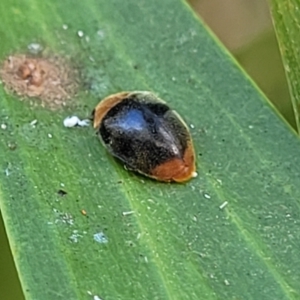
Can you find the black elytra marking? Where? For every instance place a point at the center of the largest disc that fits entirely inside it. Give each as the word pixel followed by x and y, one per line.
pixel 143 134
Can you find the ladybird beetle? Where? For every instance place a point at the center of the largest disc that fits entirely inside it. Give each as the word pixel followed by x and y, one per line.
pixel 148 136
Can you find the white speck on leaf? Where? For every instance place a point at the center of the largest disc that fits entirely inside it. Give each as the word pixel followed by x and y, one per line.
pixel 33 123
pixel 75 121
pixel 83 123
pixel 71 121
pixel 75 236
pixel 223 205
pixel 127 213
pixel 207 196
pixel 7 173
pixel 100 238
pixel 219 181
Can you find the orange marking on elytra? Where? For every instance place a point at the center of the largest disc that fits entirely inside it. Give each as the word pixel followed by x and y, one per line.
pixel 105 105
pixel 177 169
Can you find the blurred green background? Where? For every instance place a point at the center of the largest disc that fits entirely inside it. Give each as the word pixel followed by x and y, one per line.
pixel 245 28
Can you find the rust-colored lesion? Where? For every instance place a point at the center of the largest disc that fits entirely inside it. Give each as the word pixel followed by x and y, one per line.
pixel 177 169
pixel 49 79
pixel 105 105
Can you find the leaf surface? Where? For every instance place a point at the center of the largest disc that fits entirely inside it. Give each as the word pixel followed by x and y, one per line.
pixel 178 243
pixel 286 19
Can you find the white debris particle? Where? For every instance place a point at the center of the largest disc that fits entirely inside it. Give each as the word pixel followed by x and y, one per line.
pixel 250 126
pixel 35 48
pixel 65 218
pixel 80 33
pixel 75 236
pixel 192 126
pixel 33 123
pixel 74 121
pixel 127 213
pixel 194 174
pixel 83 123
pixel 226 282
pixel 100 238
pixel 65 27
pixel 219 181
pixel 3 126
pixel 62 184
pixel 49 135
pixel 71 121
pixel 207 196
pixel 223 205
pixel 95 297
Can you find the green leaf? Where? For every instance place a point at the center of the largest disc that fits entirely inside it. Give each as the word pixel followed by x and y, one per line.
pixel 262 61
pixel 286 19
pixel 231 233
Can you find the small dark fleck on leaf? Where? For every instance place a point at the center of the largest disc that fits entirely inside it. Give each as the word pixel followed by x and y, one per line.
pixel 61 193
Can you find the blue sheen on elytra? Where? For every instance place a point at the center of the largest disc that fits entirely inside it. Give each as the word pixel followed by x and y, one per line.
pixel 132 120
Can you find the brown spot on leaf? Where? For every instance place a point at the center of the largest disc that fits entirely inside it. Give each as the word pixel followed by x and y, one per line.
pixel 50 80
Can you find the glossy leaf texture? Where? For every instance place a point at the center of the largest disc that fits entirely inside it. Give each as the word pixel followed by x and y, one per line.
pixel 231 233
